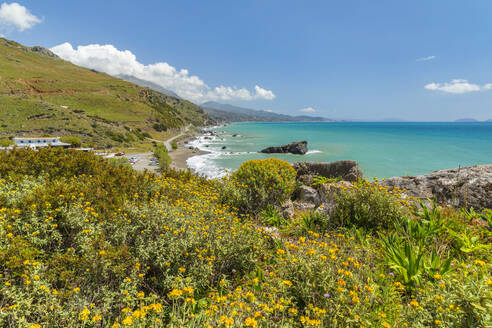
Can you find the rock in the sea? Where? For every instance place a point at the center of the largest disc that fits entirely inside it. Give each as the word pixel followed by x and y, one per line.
pixel 346 170
pixel 224 147
pixel 461 187
pixel 298 148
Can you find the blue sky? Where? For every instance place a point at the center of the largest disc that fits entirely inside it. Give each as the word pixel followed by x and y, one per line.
pixel 415 60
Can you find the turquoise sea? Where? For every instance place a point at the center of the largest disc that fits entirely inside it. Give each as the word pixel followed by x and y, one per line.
pixel 382 149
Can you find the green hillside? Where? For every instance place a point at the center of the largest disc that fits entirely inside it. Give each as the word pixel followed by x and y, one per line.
pixel 41 94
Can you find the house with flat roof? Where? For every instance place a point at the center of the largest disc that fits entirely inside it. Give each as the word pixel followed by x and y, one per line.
pixel 39 142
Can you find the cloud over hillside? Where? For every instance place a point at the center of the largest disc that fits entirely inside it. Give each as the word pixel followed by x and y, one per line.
pixel 109 59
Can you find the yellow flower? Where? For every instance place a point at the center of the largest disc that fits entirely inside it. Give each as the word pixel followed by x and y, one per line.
pixel 479 262
pixel 175 293
pixel 287 283
pixel 127 321
pixel 385 324
pixel 96 318
pixel 183 270
pixel 35 326
pixel 437 276
pixel 437 322
pixel 84 314
pixel 250 322
pixel 140 294
pixel 138 314
pixel 414 303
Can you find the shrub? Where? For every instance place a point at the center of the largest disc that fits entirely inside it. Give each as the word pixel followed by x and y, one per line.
pixel 6 142
pixel 64 262
pixel 368 205
pixel 271 217
pixel 72 140
pixel 159 127
pixel 260 183
pixel 160 152
pixel 174 145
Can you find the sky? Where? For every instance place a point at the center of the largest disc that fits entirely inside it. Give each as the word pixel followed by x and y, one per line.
pixel 371 60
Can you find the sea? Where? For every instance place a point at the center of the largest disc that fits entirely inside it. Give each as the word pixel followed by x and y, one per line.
pixel 382 149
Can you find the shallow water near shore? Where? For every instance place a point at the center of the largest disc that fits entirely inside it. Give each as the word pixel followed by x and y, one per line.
pixel 382 149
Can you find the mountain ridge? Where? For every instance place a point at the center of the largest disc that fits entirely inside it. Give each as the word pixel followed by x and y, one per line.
pixel 233 113
pixel 45 95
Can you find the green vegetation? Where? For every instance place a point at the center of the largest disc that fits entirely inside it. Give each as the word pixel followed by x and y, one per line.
pixel 174 145
pixel 6 142
pixel 72 140
pixel 259 183
pixel 162 155
pixel 85 243
pixel 45 95
pixel 371 206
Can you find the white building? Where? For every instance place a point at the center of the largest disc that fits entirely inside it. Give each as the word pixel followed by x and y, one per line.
pixel 39 142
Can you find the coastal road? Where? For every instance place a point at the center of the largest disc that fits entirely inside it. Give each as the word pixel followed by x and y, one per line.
pixel 168 142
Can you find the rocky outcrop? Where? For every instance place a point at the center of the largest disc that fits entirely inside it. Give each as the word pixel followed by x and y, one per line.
pixel 287 209
pixel 298 148
pixel 461 187
pixel 309 195
pixel 43 51
pixel 346 170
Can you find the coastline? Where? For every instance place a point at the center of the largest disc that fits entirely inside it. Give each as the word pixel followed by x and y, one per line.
pixel 181 155
pixel 190 147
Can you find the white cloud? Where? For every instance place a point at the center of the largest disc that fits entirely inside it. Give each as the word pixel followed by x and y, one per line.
pixel 308 110
pixel 16 16
pixel 426 58
pixel 108 59
pixel 457 86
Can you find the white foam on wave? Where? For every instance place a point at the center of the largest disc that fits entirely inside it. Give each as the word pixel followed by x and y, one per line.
pixel 314 151
pixel 204 165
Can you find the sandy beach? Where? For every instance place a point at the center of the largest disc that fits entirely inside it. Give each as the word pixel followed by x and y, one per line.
pixel 180 155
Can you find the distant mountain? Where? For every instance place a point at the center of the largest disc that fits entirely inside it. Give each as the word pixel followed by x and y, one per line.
pixel 466 120
pixel 232 113
pixel 147 84
pixel 489 120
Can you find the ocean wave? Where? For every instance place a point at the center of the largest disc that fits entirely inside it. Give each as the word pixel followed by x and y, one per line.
pixel 204 165
pixel 314 151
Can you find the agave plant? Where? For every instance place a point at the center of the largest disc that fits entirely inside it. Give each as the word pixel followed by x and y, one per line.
pixel 271 217
pixel 405 259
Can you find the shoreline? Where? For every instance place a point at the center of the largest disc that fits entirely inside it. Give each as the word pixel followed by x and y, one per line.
pixel 181 155
pixel 187 150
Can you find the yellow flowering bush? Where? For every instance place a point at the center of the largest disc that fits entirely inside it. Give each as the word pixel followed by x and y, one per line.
pixel 259 183
pixel 80 249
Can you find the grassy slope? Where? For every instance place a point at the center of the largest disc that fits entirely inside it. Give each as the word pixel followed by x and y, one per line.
pixel 34 87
